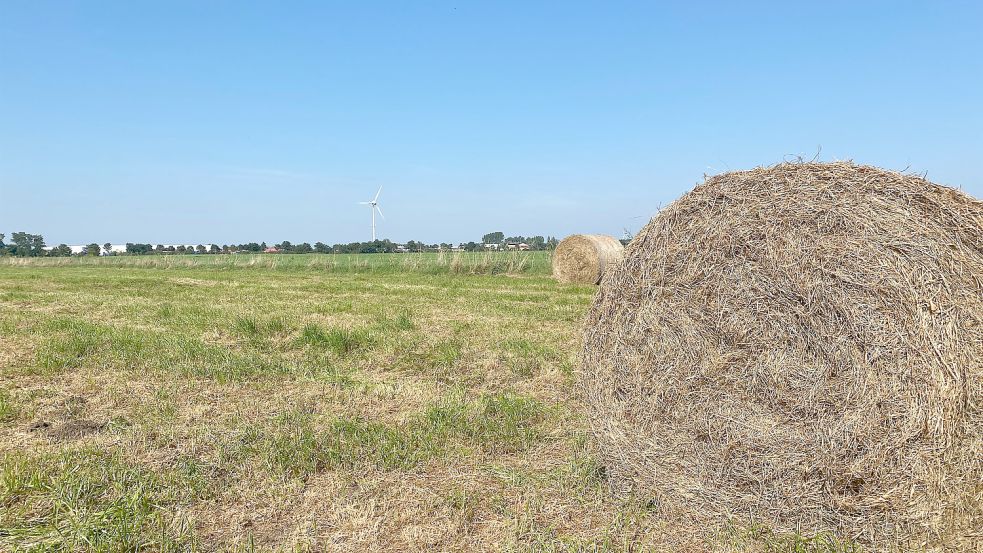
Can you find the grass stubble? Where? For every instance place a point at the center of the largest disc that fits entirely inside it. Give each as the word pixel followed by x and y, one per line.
pixel 216 408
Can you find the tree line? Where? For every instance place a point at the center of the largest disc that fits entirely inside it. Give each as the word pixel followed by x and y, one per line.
pixel 24 244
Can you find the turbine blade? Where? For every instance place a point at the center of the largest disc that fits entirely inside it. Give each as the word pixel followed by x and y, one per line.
pixel 377 194
pixel 379 209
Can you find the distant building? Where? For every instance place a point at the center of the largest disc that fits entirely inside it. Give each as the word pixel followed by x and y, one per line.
pixel 492 246
pixel 76 250
pixel 115 249
pixel 271 250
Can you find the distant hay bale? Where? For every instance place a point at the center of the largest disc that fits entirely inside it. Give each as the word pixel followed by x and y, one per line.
pixel 801 346
pixel 583 258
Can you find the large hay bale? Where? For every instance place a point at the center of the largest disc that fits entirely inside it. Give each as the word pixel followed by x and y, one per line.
pixel 583 258
pixel 800 345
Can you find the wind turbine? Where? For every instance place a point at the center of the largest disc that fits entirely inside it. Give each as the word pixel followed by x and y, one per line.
pixel 374 206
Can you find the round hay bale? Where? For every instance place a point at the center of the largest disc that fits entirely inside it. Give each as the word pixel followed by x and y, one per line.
pixel 583 258
pixel 800 346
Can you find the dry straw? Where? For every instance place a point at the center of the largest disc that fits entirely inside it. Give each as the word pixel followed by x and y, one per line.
pixel 800 346
pixel 583 258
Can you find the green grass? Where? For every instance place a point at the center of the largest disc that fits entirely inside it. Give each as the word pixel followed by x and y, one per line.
pixel 246 326
pixel 296 444
pixel 8 411
pixel 89 500
pixel 68 345
pixel 742 536
pixel 341 341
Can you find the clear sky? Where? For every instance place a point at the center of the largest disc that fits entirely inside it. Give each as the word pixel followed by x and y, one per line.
pixel 248 121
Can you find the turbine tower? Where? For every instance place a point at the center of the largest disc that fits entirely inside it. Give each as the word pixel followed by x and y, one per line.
pixel 374 206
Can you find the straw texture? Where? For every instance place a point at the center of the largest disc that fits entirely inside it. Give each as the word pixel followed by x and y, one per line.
pixel 584 258
pixel 801 346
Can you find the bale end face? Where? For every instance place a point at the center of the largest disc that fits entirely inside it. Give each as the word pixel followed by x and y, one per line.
pixel 584 258
pixel 801 345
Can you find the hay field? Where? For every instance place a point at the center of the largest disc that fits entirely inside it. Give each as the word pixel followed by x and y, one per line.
pixel 487 262
pixel 211 406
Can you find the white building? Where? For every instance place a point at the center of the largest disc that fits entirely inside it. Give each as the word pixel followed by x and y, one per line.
pixel 78 249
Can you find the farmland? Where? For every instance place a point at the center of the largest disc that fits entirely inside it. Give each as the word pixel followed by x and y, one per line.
pixel 537 263
pixel 305 403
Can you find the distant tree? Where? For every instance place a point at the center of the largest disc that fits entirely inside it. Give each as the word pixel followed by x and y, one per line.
pixel 108 248
pixel 303 248
pixel 201 248
pixel 20 244
pixel 551 243
pixel 536 242
pixel 61 250
pixel 493 238
pixel 345 248
pixel 213 248
pixel 37 245
pixel 321 247
pixel 181 249
pixel 26 244
pixel 472 247
pixel 92 249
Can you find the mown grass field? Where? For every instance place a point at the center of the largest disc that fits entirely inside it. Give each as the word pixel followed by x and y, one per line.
pixel 487 263
pixel 198 403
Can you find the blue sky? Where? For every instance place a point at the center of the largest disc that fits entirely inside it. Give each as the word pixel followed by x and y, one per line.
pixel 248 121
